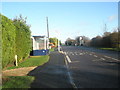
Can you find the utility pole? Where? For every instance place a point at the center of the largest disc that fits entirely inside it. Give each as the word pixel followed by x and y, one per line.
pixel 47 27
pixel 47 32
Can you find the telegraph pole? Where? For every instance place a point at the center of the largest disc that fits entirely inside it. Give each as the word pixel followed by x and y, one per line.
pixel 47 28
pixel 47 32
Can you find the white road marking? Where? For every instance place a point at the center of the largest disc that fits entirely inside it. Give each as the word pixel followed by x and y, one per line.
pixel 95 56
pixel 76 54
pixel 71 79
pixel 75 61
pixel 107 57
pixel 98 59
pixel 90 54
pixel 103 58
pixel 81 53
pixel 68 58
pixel 112 58
pixel 72 54
pixel 115 59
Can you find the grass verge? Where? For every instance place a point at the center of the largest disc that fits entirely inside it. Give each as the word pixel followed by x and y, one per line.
pixel 52 49
pixel 33 61
pixel 111 49
pixel 17 81
pixel 23 81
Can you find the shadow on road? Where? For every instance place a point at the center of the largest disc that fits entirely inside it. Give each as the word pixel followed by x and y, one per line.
pixel 52 74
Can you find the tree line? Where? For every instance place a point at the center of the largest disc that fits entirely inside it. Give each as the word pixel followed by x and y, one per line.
pixel 108 40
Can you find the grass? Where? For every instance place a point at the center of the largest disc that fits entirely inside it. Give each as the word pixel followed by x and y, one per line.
pixel 23 81
pixel 33 61
pixel 17 82
pixel 52 49
pixel 111 49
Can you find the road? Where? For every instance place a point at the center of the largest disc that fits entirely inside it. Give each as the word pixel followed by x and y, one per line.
pixel 53 74
pixel 78 67
pixel 92 68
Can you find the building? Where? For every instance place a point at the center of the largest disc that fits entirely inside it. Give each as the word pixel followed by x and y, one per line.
pixel 81 41
pixel 40 45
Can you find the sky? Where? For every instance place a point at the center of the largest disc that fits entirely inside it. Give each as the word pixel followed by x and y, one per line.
pixel 66 19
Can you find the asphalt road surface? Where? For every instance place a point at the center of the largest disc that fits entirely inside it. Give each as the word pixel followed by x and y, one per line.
pixel 92 68
pixel 78 67
pixel 53 74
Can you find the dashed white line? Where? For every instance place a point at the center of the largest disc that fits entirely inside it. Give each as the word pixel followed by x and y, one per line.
pixel 90 54
pixel 81 53
pixel 103 58
pixel 115 59
pixel 107 57
pixel 95 56
pixel 112 58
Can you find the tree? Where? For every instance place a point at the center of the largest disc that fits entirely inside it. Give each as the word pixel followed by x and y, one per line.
pixel 96 41
pixel 70 41
pixel 115 41
pixel 54 41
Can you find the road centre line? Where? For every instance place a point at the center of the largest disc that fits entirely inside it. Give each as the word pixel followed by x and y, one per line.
pixel 95 56
pixel 67 58
pixel 71 79
pixel 102 58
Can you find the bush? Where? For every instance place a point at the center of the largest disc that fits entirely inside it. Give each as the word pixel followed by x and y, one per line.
pixel 23 41
pixel 15 40
pixel 8 41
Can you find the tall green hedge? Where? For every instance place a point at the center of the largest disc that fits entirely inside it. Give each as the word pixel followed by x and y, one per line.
pixel 23 41
pixel 15 40
pixel 8 41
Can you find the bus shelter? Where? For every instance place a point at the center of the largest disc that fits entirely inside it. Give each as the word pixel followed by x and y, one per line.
pixel 40 45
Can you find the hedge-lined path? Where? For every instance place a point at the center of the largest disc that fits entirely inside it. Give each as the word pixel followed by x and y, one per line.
pixel 18 72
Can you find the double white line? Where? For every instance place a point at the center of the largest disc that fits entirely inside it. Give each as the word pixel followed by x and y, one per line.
pixel 67 57
pixel 71 79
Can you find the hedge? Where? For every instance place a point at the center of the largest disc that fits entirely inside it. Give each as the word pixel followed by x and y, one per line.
pixel 15 40
pixel 23 41
pixel 8 41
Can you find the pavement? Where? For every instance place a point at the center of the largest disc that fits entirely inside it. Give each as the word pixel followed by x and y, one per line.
pixel 53 74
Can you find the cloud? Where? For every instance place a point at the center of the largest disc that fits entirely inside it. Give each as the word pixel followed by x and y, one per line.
pixel 112 18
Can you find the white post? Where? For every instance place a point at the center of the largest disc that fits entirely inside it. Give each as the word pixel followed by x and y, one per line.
pixel 16 63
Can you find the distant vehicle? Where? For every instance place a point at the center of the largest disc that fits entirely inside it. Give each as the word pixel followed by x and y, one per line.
pixel 51 45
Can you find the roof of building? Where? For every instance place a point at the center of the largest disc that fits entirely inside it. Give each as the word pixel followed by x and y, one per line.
pixel 38 36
